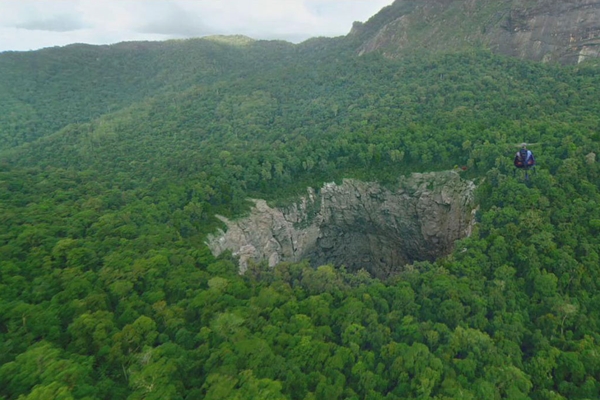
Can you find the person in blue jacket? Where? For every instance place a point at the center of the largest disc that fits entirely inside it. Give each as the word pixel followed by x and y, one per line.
pixel 524 159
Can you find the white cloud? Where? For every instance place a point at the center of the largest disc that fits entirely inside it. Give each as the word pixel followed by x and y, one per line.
pixel 33 24
pixel 56 23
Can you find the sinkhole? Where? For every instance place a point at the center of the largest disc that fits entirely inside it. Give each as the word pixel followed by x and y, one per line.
pixel 359 225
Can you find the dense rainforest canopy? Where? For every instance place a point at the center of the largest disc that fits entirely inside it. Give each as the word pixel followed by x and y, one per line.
pixel 115 159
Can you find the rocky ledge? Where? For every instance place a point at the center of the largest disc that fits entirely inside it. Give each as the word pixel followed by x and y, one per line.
pixel 357 225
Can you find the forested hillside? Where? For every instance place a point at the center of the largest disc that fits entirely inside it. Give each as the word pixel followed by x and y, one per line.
pixel 43 91
pixel 109 292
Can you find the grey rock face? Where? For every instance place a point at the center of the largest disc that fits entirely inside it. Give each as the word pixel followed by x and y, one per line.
pixel 357 224
pixel 565 31
pixel 561 31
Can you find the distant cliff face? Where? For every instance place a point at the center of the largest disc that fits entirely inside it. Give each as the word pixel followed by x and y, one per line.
pixel 357 224
pixel 562 31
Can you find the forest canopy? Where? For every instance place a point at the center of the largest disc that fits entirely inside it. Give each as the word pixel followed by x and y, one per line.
pixel 111 175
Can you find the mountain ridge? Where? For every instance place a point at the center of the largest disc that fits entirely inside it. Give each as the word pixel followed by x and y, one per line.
pixel 43 91
pixel 565 32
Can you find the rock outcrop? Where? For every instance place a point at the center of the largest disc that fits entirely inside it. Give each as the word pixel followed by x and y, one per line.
pixel 562 31
pixel 357 224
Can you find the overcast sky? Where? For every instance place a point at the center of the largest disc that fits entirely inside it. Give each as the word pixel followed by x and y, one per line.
pixel 34 24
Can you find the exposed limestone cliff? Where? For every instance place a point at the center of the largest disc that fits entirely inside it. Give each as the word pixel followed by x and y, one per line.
pixel 563 31
pixel 357 224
